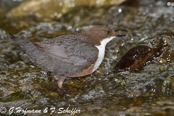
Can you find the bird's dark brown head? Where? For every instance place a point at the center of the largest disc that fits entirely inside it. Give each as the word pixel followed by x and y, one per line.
pixel 98 33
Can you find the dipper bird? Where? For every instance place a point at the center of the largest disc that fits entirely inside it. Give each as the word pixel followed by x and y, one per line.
pixel 69 55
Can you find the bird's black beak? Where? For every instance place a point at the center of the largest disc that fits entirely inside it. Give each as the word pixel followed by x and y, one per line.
pixel 121 32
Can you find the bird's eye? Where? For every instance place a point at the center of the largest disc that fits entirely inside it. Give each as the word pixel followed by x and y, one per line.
pixel 108 32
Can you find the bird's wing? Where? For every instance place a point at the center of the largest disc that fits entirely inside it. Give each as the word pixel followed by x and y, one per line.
pixel 69 50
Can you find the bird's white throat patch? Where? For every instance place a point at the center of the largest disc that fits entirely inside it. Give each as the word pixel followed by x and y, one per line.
pixel 101 52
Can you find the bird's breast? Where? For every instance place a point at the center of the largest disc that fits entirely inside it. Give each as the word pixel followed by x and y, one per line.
pixel 101 53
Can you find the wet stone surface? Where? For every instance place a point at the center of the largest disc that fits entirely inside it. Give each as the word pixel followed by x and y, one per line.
pixel 148 91
pixel 138 56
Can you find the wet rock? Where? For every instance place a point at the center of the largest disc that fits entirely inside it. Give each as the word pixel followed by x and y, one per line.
pixel 40 8
pixel 168 56
pixel 140 55
pixel 52 94
pixel 168 85
pixel 6 5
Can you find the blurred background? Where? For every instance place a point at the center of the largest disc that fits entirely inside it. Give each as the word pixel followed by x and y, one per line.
pixel 147 92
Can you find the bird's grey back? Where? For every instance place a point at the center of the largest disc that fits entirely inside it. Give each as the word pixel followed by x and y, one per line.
pixel 53 64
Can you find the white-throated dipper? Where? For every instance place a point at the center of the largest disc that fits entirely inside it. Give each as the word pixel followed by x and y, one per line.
pixel 70 55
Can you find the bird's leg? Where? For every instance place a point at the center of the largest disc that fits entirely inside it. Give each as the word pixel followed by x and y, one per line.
pixel 56 78
pixel 60 80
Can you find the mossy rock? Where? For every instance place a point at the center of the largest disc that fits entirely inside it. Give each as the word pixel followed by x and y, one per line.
pixel 55 8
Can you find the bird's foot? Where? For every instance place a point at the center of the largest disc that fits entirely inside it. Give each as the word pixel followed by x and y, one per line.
pixel 59 80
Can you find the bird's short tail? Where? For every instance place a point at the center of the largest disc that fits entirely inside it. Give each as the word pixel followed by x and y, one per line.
pixel 12 37
pixel 21 42
pixel 28 46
